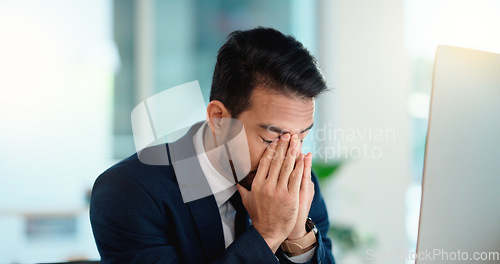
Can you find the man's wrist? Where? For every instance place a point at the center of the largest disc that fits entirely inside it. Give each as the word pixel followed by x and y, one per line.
pixel 299 246
pixel 273 244
pixel 301 233
pixel 295 247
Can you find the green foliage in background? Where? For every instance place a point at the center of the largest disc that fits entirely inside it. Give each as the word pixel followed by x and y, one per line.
pixel 345 237
pixel 325 170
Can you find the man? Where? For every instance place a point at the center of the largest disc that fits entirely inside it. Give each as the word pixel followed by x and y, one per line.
pixel 267 82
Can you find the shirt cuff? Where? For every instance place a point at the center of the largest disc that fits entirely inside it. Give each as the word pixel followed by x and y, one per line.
pixel 304 257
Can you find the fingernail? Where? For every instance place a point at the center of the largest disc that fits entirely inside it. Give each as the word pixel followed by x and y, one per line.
pixel 285 136
pixel 295 136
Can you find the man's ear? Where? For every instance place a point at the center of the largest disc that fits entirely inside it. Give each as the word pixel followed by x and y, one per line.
pixel 216 111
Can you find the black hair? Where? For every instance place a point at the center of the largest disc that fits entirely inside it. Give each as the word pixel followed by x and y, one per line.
pixel 266 58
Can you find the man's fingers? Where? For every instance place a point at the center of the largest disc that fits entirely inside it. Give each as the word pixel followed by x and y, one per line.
pixel 278 159
pixel 307 170
pixel 296 176
pixel 289 162
pixel 265 162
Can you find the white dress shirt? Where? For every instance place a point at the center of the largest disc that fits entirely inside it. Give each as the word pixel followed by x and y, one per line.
pixel 223 189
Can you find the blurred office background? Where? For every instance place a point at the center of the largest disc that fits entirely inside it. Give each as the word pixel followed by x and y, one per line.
pixel 72 71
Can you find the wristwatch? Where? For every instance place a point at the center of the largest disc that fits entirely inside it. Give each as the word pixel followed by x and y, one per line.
pixel 295 247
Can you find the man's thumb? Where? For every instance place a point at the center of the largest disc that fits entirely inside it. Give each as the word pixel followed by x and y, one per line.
pixel 243 192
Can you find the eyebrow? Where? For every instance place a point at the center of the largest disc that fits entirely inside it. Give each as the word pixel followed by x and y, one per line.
pixel 276 129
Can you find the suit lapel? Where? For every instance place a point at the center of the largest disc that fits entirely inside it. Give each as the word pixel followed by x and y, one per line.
pixel 207 219
pixel 197 194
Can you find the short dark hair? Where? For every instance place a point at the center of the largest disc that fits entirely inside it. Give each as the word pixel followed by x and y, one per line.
pixel 263 57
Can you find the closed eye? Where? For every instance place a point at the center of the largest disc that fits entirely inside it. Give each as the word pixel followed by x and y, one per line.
pixel 266 141
pixel 270 141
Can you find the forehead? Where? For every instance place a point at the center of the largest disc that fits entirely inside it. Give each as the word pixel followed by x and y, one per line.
pixel 288 113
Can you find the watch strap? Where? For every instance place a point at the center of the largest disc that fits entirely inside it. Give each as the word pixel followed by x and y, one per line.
pixel 295 247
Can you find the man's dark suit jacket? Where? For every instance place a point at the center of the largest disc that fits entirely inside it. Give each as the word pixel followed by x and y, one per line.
pixel 138 215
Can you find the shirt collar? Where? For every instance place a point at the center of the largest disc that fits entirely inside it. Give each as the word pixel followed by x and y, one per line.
pixel 222 188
